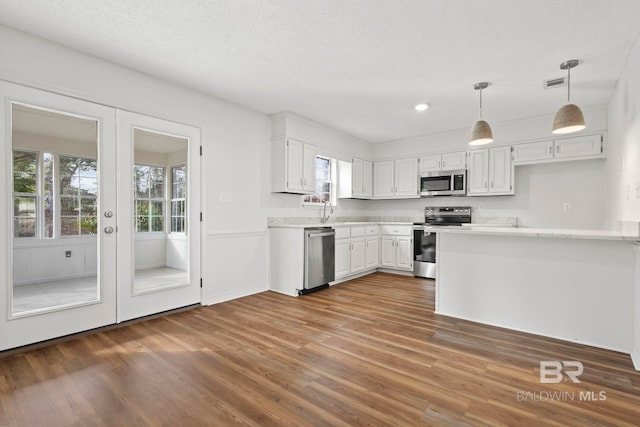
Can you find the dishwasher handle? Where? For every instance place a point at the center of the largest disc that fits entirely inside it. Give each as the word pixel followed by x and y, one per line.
pixel 322 234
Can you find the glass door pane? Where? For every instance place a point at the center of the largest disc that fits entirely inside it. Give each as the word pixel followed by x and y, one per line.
pixel 55 219
pixel 161 257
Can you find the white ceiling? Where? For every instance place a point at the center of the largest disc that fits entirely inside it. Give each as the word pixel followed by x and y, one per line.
pixel 358 66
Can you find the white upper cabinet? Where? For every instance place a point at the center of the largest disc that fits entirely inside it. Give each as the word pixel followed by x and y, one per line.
pixel 580 147
pixel 442 162
pixel 490 172
pixel 292 166
pixel 574 148
pixel 406 177
pixel 384 179
pixel 361 178
pixel 454 161
pixel 395 179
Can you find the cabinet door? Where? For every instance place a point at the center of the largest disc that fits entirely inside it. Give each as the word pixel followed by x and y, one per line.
pixel 500 170
pixel 406 177
pixel 367 178
pixel 357 255
pixel 294 164
pixel 383 179
pixel 404 252
pixel 478 171
pixel 309 168
pixel 357 185
pixel 532 152
pixel 454 161
pixel 578 147
pixel 388 251
pixel 372 250
pixel 343 257
pixel 430 163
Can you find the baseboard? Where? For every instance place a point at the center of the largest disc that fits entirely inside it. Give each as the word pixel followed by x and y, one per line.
pixel 635 356
pixel 234 295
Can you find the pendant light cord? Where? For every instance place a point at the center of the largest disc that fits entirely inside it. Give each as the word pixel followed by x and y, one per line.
pixel 569 85
pixel 480 104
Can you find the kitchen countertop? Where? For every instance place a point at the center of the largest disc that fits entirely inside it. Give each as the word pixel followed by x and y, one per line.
pixel 490 230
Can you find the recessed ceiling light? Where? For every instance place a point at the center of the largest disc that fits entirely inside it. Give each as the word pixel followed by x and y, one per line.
pixel 421 107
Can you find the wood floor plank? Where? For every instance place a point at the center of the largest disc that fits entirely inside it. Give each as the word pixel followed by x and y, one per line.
pixel 370 351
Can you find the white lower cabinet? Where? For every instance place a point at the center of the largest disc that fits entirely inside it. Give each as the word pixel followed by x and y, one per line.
pixel 372 247
pixel 396 247
pixel 356 249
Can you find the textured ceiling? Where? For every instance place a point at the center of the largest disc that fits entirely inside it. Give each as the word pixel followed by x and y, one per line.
pixel 358 66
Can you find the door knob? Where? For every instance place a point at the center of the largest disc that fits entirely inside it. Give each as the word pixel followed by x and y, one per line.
pixel 108 230
pixel 108 214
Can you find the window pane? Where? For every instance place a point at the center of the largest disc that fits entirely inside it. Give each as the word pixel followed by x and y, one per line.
pixel 141 183
pixel 157 208
pixel 88 186
pixel 88 225
pixel 157 223
pixel 24 206
pixel 88 206
pixel 25 166
pixel 142 224
pixel 24 227
pixel 69 206
pixel 69 226
pixel 142 207
pixel 48 196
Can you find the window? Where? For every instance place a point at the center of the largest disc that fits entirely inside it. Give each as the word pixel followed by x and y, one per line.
pixel 25 193
pixel 35 195
pixel 178 199
pixel 149 193
pixel 325 182
pixel 78 196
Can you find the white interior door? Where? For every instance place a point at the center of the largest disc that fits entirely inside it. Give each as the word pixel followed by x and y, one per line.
pixel 57 256
pixel 159 215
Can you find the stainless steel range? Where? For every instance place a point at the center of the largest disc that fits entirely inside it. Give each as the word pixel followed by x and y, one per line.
pixel 425 233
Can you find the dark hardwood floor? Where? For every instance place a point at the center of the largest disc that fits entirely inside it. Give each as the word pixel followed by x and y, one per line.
pixel 367 352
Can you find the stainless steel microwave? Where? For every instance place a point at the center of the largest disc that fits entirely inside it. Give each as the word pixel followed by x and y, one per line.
pixel 443 183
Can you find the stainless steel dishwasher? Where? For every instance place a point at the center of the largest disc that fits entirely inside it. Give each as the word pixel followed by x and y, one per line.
pixel 319 258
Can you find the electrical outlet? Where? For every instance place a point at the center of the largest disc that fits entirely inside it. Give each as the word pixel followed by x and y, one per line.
pixel 566 207
pixel 67 254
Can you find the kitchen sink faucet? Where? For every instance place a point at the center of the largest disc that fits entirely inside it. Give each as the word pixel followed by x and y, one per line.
pixel 325 217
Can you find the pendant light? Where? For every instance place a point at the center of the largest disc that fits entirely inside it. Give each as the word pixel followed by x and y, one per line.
pixel 569 118
pixel 481 131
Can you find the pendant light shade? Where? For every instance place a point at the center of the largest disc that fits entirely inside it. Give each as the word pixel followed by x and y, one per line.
pixel 569 117
pixel 481 131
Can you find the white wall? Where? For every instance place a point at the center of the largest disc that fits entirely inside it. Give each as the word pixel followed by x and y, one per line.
pixel 541 190
pixel 622 175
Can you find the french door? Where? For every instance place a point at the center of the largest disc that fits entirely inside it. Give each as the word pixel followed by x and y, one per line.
pixel 99 220
pixel 159 215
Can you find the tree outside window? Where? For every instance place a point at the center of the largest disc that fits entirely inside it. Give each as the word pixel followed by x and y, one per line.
pixel 78 196
pixel 25 193
pixel 149 193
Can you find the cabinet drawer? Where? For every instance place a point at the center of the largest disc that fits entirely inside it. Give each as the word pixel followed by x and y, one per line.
pixel 396 230
pixel 357 231
pixel 343 232
pixel 372 230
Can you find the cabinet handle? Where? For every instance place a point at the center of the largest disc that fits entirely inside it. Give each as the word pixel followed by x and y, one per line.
pixel 550 150
pixel 485 184
pixel 557 149
pixel 439 164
